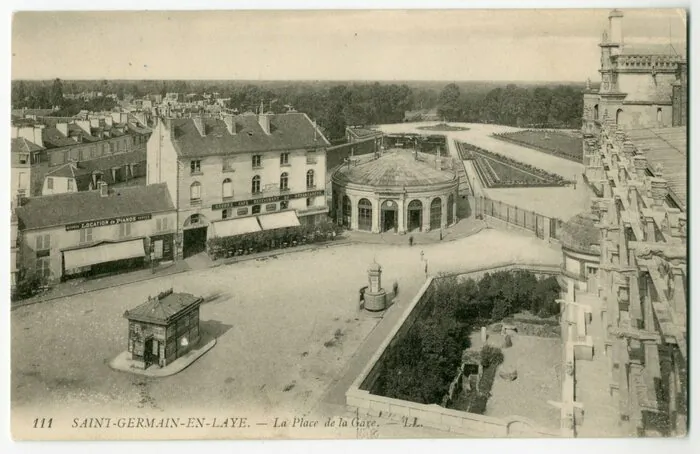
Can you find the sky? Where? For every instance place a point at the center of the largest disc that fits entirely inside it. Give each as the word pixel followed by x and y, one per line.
pixel 443 45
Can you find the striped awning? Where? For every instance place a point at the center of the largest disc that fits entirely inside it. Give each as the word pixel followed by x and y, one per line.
pixel 279 220
pixel 234 227
pixel 106 252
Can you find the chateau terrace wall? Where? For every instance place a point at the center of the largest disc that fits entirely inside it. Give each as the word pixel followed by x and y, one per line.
pixel 433 415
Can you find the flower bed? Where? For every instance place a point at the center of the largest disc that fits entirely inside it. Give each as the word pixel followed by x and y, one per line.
pixel 267 240
pixel 498 171
pixel 556 143
pixel 443 127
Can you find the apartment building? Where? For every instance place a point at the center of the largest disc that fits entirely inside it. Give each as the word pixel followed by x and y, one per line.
pixel 235 174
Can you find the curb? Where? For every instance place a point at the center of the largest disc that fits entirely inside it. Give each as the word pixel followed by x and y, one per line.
pixel 341 242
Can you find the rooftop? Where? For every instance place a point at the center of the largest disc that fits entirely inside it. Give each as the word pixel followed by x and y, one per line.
pixel 287 131
pixel 22 145
pixel 580 234
pixel 395 169
pixel 74 207
pixel 162 310
pixel 667 147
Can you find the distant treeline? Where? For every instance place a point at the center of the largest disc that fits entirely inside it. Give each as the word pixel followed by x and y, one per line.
pixel 558 107
pixel 334 105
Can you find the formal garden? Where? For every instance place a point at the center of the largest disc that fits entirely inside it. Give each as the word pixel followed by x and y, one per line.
pixel 435 362
pixel 268 240
pixel 560 144
pixel 498 171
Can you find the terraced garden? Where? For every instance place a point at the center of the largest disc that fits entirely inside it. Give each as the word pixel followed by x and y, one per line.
pixel 498 171
pixel 556 143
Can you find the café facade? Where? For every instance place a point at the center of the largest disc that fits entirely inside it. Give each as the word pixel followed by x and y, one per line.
pixel 96 232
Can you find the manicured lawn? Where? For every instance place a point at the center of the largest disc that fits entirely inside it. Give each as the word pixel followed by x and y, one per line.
pixel 559 144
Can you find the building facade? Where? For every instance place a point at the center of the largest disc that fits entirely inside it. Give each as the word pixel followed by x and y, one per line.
pixel 224 171
pixel 110 147
pixel 640 85
pixel 163 329
pixel 398 192
pixel 95 232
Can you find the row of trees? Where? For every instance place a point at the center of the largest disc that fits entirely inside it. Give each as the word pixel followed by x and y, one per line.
pixel 558 107
pixel 49 95
pixel 421 366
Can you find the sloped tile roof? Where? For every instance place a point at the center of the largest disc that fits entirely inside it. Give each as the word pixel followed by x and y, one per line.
pixel 70 208
pixel 394 169
pixel 53 138
pixel 668 147
pixel 287 131
pixel 23 145
pixel 163 310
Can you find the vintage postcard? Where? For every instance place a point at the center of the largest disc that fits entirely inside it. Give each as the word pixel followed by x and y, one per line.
pixel 349 224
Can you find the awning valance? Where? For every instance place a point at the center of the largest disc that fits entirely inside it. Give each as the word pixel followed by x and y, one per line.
pixel 107 252
pixel 279 220
pixel 236 226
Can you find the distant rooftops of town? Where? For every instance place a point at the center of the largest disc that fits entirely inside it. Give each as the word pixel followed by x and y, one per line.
pixel 54 132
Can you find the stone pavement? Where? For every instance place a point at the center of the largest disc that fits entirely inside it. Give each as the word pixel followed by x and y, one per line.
pixel 463 229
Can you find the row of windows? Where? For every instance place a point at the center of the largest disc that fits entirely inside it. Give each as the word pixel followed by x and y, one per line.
pixel 91 151
pixel 227 186
pixel 256 161
pixel 43 242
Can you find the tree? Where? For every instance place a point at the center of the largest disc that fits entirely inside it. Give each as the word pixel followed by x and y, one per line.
pixel 448 103
pixel 57 93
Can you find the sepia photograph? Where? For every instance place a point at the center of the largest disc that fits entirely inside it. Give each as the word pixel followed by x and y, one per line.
pixel 349 224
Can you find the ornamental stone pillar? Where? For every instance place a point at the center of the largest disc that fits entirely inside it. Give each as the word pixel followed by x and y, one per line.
pixel 401 213
pixel 647 306
pixel 354 211
pixel 443 212
pixel 624 253
pixel 640 167
pixel 376 215
pixel 650 229
pixel 454 207
pixel 426 215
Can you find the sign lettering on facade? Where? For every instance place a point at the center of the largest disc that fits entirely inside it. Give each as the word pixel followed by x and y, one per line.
pixel 108 221
pixel 262 200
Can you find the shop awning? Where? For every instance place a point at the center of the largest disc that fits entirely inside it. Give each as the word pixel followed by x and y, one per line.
pixel 236 226
pixel 107 252
pixel 279 220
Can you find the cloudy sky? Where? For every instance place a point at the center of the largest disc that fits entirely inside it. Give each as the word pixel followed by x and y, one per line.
pixel 524 45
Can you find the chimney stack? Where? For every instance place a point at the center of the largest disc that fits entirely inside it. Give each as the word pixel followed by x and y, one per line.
pixel 63 128
pixel 199 124
pixel 264 121
pixel 659 192
pixel 230 124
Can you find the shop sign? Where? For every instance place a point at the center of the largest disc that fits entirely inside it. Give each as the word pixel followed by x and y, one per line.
pixel 108 221
pixel 264 200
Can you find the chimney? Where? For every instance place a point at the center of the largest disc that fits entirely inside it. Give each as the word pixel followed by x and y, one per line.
pixel 659 192
pixel 63 128
pixel 230 124
pixel 199 124
pixel 615 19
pixel 104 189
pixel 628 149
pixel 640 166
pixel 264 121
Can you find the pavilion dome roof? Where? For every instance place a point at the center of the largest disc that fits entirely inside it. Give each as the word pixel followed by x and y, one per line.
pixel 580 234
pixel 395 169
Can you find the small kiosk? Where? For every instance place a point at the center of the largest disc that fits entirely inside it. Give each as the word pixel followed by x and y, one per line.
pixel 163 328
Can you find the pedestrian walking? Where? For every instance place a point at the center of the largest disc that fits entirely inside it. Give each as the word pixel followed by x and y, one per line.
pixel 440 234
pixel 410 240
pixel 396 288
pixel 426 269
pixel 421 256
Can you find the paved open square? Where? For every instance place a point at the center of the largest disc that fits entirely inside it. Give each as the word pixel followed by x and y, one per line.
pixel 286 327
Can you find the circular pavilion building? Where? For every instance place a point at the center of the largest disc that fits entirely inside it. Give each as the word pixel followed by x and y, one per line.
pixel 580 245
pixel 398 191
